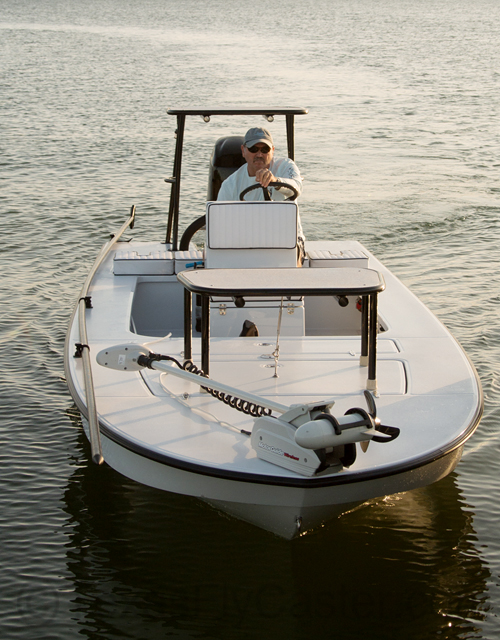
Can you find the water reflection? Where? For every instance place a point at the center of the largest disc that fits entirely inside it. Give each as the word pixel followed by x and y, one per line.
pixel 150 564
pixel 408 559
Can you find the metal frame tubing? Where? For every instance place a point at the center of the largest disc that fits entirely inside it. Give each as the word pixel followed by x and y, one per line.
pixel 188 325
pixel 173 212
pixel 290 136
pixel 205 334
pixel 365 338
pixel 372 343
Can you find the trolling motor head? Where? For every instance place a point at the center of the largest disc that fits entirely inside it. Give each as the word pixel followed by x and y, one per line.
pixel 123 357
pixel 321 441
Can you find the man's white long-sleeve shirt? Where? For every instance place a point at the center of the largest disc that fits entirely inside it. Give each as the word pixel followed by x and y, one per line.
pixel 283 168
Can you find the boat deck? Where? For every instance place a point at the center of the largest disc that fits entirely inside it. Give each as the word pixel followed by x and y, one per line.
pixel 419 364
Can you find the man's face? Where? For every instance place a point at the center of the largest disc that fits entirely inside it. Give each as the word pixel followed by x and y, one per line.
pixel 261 159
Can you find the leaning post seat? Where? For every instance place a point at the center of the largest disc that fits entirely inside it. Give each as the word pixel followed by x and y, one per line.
pixel 250 235
pixel 253 235
pixel 226 159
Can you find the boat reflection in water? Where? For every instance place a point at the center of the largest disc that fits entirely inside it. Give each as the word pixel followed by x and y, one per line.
pixel 146 563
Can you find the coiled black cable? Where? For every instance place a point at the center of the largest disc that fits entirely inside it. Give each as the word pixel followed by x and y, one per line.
pixel 249 408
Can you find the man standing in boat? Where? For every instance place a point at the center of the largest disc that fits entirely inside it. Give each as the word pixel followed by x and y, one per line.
pixel 263 168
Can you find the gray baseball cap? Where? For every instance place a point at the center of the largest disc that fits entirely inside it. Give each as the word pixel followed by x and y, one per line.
pixel 258 134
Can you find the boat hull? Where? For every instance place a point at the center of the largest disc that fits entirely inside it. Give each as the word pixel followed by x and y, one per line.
pixel 167 434
pixel 286 511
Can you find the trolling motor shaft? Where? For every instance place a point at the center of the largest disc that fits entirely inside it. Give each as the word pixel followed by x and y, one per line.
pixel 306 438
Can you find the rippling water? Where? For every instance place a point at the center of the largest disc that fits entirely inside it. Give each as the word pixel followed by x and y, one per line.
pixel 401 150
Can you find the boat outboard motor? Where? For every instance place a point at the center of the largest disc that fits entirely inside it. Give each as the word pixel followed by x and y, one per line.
pixel 225 160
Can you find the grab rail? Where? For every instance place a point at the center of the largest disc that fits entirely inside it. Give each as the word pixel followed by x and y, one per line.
pixel 84 303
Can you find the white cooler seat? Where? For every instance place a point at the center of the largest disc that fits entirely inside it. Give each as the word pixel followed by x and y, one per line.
pixel 250 235
pixel 253 235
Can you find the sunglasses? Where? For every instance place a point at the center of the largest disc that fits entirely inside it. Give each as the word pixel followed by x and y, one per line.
pixel 263 149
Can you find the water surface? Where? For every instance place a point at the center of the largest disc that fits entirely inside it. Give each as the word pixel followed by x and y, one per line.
pixel 400 150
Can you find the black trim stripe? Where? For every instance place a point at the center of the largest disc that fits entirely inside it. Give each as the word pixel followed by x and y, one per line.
pixel 301 483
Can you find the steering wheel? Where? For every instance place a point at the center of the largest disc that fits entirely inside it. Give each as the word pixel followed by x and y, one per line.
pixel 267 195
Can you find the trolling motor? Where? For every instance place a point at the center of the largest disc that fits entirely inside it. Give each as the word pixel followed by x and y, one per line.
pixel 308 439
